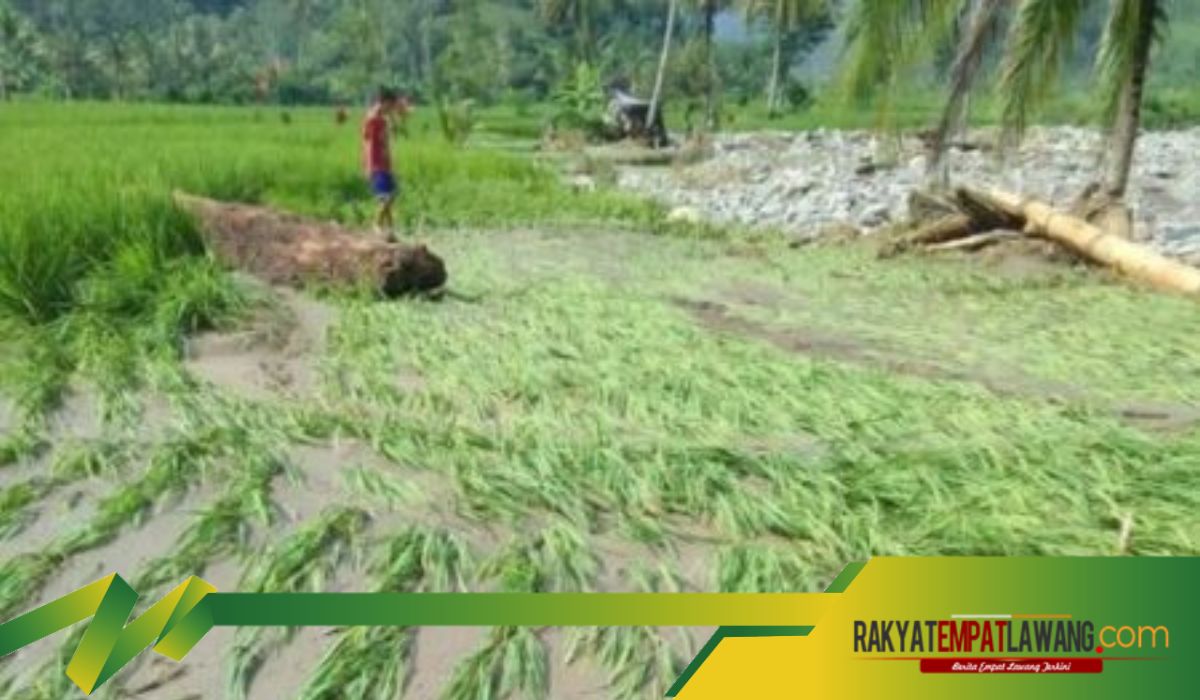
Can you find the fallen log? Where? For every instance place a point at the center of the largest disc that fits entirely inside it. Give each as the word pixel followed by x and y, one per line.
pixel 291 250
pixel 1131 259
pixel 945 228
pixel 974 242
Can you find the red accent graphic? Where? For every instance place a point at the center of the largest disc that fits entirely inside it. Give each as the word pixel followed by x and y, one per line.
pixel 988 666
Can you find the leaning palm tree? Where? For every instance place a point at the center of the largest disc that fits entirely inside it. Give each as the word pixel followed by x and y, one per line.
pixel 785 17
pixel 888 37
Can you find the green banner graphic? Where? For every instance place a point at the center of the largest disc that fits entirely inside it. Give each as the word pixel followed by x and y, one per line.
pixel 176 623
pixel 892 627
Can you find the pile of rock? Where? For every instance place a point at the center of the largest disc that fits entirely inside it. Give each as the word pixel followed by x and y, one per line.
pixel 802 182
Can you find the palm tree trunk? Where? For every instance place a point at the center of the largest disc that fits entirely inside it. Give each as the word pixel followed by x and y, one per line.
pixel 668 33
pixel 776 70
pixel 984 18
pixel 710 105
pixel 1123 138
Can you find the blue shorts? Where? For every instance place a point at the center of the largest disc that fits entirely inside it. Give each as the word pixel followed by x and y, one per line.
pixel 383 185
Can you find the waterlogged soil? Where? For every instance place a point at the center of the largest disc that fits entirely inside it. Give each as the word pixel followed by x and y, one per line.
pixel 274 357
pixel 720 318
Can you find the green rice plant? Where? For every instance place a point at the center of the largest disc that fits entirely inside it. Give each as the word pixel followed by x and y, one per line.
pixel 512 660
pixel 641 661
pixel 369 662
pixel 300 562
pixel 105 355
pixel 198 296
pixel 89 459
pixel 372 484
pixel 20 445
pixel 659 578
pixel 556 558
pixel 222 529
pixel 14 503
pixel 22 576
pixel 364 663
pixel 172 470
pixel 748 568
pixel 420 559
pixel 39 378
pixel 303 560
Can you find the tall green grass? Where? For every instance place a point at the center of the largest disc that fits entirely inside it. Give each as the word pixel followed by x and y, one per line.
pixel 98 267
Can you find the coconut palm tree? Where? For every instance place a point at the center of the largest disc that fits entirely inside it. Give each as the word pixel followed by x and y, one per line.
pixel 785 17
pixel 888 37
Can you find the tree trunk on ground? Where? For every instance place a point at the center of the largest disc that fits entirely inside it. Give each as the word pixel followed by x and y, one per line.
pixel 668 33
pixel 945 228
pixel 1128 120
pixel 1131 259
pixel 710 106
pixel 285 249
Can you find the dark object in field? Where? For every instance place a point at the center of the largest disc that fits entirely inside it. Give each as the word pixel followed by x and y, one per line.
pixel 341 116
pixel 287 249
pixel 628 116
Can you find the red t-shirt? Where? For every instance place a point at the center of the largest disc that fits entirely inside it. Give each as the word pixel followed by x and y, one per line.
pixel 377 154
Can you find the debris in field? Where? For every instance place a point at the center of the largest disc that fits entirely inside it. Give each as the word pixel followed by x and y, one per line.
pixel 291 250
pixel 975 242
pixel 937 231
pixel 684 215
pixel 988 217
pixel 797 182
pixel 582 183
pixel 1089 241
pixel 1125 537
pixel 628 117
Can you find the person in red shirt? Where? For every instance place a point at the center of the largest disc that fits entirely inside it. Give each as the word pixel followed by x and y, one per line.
pixel 377 155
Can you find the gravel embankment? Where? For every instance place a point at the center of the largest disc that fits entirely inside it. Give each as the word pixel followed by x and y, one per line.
pixel 801 181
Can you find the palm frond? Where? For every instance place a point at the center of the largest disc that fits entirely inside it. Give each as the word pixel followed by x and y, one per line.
pixel 1122 43
pixel 1040 38
pixel 982 28
pixel 888 38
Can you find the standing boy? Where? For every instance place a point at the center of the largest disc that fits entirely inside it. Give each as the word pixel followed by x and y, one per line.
pixel 377 156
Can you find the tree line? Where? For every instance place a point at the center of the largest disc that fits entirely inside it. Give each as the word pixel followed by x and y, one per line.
pixel 331 51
